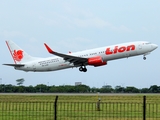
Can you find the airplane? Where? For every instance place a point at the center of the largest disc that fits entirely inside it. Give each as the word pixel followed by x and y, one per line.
pixel 93 57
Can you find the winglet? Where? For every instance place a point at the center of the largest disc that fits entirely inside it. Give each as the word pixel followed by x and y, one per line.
pixel 48 48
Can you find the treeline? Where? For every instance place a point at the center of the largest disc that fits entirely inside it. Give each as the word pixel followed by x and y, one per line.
pixel 42 88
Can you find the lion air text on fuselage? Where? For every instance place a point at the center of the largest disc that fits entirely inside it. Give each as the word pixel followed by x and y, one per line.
pixel 120 50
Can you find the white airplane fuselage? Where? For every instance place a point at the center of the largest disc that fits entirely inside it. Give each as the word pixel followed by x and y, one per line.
pixel 107 53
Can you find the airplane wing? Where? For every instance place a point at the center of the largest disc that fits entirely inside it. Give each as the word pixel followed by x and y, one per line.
pixel 72 59
pixel 15 65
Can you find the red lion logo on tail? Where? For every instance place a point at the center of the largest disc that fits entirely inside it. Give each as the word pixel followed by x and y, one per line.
pixel 18 55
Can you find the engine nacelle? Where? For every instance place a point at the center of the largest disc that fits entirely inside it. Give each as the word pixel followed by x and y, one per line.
pixel 96 61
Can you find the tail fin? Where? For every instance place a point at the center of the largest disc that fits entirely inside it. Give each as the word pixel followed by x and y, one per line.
pixel 18 54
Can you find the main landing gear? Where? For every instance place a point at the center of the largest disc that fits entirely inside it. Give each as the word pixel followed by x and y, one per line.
pixel 144 57
pixel 83 69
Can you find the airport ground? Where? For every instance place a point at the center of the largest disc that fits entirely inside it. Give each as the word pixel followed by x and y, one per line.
pixel 25 106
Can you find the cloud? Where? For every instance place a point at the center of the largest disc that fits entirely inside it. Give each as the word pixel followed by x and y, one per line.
pixel 48 21
pixel 91 22
pixel 33 40
pixel 70 15
pixel 75 44
pixel 8 34
pixel 121 28
pixel 82 22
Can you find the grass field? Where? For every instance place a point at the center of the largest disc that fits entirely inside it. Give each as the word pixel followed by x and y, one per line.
pixel 37 107
pixel 63 98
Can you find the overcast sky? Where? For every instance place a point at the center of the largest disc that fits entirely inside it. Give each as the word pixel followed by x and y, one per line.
pixel 75 25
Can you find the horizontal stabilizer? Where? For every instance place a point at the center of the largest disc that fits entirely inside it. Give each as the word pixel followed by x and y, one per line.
pixel 15 65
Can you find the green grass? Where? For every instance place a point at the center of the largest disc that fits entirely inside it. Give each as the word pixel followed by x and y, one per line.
pixel 51 98
pixel 19 107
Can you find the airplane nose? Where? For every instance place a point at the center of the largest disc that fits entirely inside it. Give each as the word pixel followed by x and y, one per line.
pixel 154 46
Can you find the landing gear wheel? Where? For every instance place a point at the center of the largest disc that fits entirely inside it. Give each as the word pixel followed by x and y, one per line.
pixel 83 69
pixel 144 58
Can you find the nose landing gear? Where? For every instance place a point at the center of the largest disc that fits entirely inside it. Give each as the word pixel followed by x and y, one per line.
pixel 83 69
pixel 144 58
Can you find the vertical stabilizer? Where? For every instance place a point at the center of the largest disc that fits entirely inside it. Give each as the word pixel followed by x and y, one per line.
pixel 18 54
